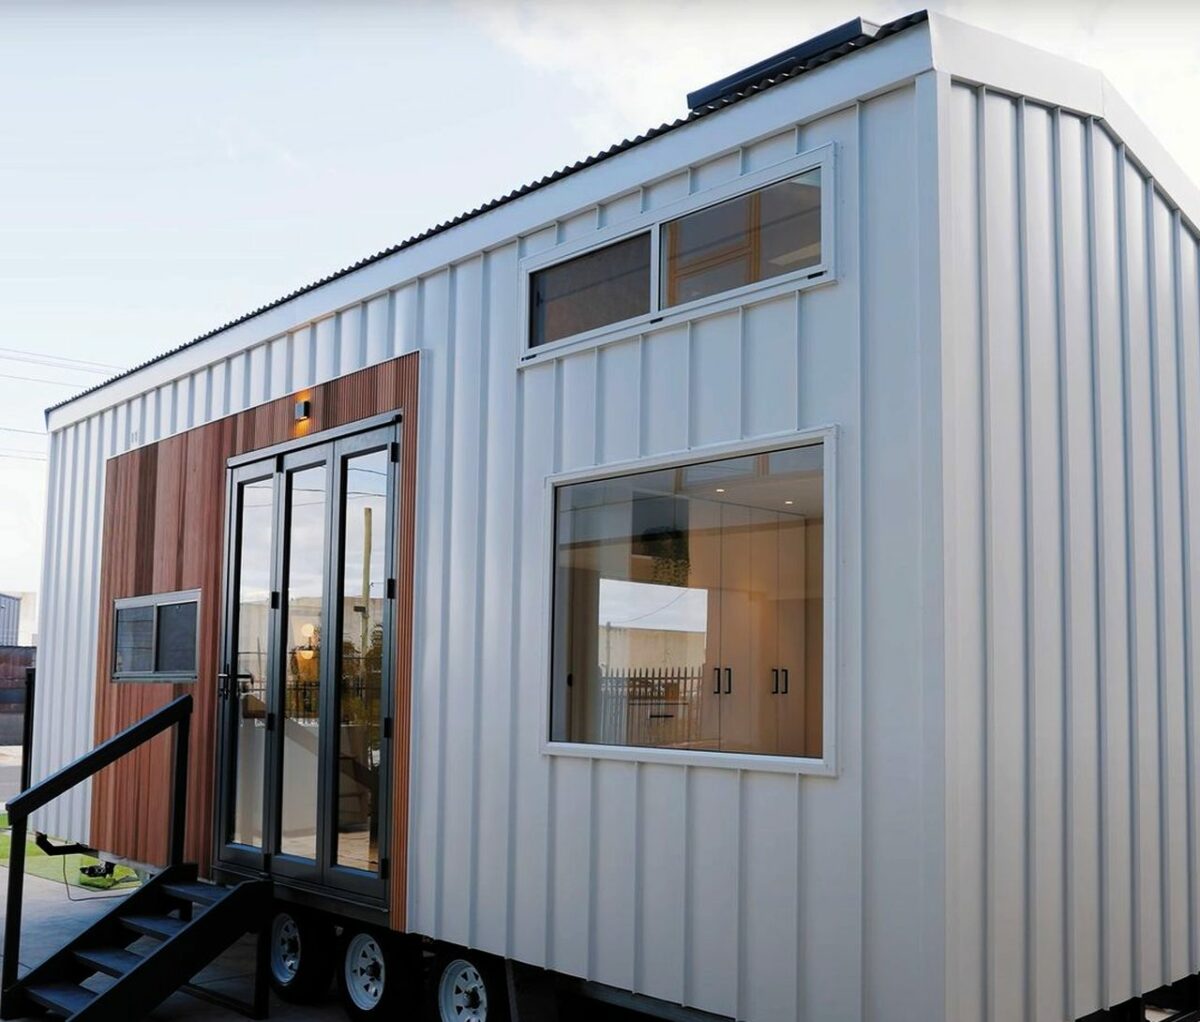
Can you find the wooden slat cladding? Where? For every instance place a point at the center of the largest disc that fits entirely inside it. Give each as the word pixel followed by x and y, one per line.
pixel 164 520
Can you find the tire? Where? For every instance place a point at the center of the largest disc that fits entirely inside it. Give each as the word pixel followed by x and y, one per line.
pixel 378 974
pixel 300 954
pixel 467 986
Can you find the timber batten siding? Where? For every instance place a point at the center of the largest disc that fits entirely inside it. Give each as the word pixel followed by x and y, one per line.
pixel 164 523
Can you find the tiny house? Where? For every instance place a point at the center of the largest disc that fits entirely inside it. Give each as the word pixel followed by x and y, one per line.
pixel 751 571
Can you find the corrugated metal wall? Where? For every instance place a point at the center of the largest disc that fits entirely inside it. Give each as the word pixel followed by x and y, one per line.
pixel 758 894
pixel 10 619
pixel 745 893
pixel 1072 508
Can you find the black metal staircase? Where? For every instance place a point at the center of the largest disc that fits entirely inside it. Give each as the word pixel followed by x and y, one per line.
pixel 188 924
pixel 154 940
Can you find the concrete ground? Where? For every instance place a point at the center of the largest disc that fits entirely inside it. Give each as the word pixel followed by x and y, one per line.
pixel 49 920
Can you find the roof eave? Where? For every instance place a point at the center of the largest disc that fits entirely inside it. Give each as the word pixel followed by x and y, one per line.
pixel 385 270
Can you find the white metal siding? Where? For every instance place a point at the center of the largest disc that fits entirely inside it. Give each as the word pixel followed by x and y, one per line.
pixel 1072 425
pixel 760 895
pixel 739 892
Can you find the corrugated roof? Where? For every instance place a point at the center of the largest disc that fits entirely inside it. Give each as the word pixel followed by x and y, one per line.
pixel 886 30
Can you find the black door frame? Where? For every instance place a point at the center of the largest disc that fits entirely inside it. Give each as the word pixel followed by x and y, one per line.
pixel 334 447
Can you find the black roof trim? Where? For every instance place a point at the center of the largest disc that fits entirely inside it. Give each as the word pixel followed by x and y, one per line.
pixel 855 32
pixel 825 57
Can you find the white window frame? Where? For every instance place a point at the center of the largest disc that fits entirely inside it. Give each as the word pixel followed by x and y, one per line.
pixel 827 764
pixel 653 221
pixel 157 601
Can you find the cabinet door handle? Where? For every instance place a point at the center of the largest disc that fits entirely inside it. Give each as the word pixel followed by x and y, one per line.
pixel 728 680
pixel 716 681
pixel 785 681
pixel 774 681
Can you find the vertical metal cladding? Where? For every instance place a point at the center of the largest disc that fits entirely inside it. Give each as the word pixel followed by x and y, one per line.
pixel 1071 426
pixel 693 884
pixel 747 893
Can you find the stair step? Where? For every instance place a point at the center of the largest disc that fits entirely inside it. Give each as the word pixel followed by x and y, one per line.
pixel 111 961
pixel 162 927
pixel 61 998
pixel 196 892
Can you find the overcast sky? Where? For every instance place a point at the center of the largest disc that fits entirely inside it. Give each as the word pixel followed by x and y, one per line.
pixel 165 167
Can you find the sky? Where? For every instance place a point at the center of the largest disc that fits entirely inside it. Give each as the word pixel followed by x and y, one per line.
pixel 167 166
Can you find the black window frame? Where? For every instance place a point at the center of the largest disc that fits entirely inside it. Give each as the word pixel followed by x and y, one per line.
pixel 156 601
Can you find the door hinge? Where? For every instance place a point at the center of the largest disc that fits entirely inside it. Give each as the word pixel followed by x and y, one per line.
pixel 395 455
pixel 387 727
pixel 275 599
pixel 266 862
pixel 270 721
pixel 384 866
pixel 391 588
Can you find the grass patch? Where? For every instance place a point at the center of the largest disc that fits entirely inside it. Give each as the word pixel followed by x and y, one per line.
pixel 50 867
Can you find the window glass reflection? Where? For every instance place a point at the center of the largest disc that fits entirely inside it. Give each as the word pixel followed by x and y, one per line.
pixel 363 587
pixel 757 236
pixel 304 599
pixel 253 567
pixel 688 607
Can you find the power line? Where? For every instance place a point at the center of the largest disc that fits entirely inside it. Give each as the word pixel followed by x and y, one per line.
pixel 45 363
pixel 97 366
pixel 23 457
pixel 40 379
pixel 30 432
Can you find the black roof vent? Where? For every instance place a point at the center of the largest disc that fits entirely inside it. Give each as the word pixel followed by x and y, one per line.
pixel 852 33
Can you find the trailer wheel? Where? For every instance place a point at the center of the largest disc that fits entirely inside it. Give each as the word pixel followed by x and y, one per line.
pixel 468 987
pixel 299 955
pixel 378 973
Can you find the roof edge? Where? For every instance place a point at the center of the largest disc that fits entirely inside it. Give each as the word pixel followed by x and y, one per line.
pixel 968 53
pixel 885 31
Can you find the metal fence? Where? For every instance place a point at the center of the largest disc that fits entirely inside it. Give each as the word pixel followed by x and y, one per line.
pixel 651 706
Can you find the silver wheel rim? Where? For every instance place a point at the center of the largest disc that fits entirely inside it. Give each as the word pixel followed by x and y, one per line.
pixel 462 995
pixel 365 972
pixel 285 948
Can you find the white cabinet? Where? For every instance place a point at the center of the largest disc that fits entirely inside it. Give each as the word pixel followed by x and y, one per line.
pixel 764 664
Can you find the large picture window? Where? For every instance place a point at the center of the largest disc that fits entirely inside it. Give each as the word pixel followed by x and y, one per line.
pixel 155 637
pixel 689 606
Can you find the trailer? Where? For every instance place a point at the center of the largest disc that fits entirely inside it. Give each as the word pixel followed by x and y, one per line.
pixel 751 572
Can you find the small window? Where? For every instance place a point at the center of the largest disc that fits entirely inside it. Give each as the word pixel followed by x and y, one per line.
pixel 155 637
pixel 769 231
pixel 744 240
pixel 592 290
pixel 689 607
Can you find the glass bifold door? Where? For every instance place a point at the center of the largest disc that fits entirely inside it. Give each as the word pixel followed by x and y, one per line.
pixel 305 693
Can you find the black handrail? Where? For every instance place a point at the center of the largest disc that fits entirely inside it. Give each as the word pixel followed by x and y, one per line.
pixel 177 713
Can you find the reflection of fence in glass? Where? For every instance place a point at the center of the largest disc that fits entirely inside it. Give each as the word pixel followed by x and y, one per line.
pixel 360 683
pixel 650 706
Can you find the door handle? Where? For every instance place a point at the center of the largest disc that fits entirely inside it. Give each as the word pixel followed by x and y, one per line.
pixel 785 681
pixel 774 681
pixel 224 678
pixel 717 681
pixel 728 680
